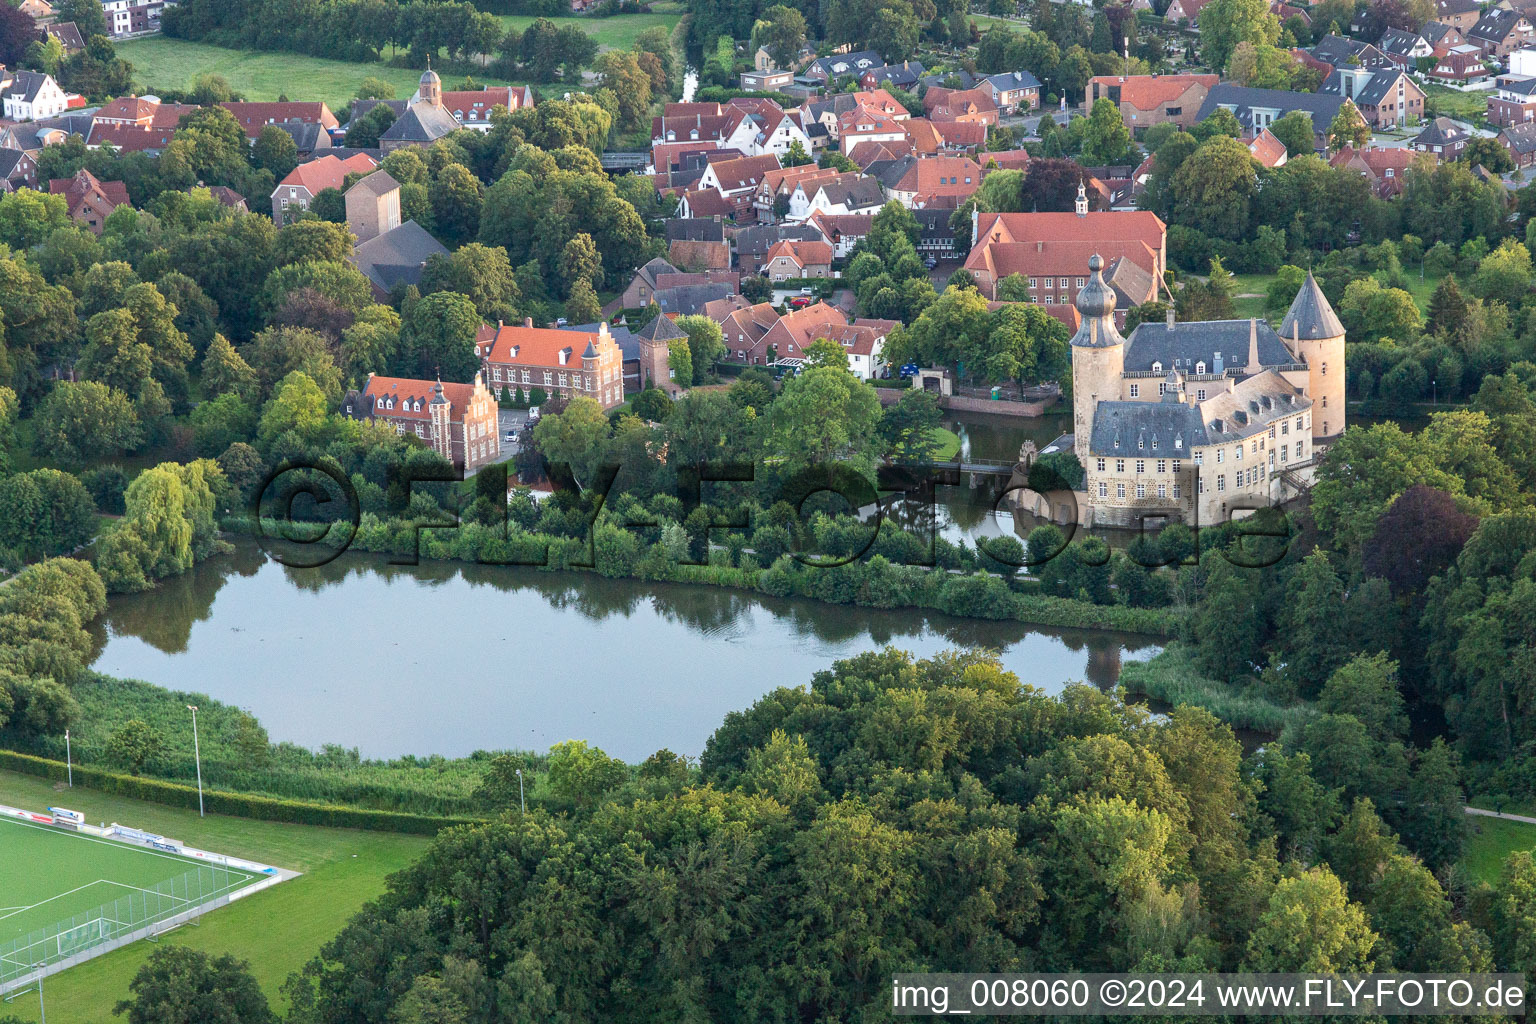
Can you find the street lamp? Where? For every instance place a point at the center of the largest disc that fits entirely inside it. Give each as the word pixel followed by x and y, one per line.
pixel 69 763
pixel 1434 395
pixel 520 798
pixel 197 756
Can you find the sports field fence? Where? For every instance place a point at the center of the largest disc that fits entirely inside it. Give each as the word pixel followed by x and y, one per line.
pixel 125 919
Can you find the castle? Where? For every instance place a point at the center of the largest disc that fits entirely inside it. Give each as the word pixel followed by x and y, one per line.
pixel 1198 421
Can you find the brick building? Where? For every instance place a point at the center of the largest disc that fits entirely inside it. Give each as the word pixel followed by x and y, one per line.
pixel 568 363
pixel 459 421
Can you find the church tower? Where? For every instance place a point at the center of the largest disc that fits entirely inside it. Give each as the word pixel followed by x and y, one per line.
pixel 431 87
pixel 1313 333
pixel 1098 356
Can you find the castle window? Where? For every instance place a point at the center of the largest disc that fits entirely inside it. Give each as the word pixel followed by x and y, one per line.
pixel 1119 490
pixel 1325 426
pixel 1177 492
pixel 1101 465
pixel 1178 442
pixel 1141 490
pixel 1325 369
pixel 1221 482
pixel 1154 442
pixel 1325 401
pixel 1162 466
pixel 1285 452
pixel 1141 466
pixel 1157 367
pixel 1238 453
pixel 525 377
pixel 1119 465
pixel 1162 388
pixel 1135 388
pixel 1199 458
pixel 1103 489
pixel 1221 454
pixel 1200 395
pixel 1162 490
pixel 1285 426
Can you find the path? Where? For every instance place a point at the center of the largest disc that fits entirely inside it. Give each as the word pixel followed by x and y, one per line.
pixel 1525 818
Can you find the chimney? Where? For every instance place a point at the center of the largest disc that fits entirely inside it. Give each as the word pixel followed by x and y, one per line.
pixel 1170 316
pixel 1253 347
pixel 500 324
pixel 527 321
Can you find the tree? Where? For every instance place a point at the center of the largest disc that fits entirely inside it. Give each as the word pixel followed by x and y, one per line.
pixel 1213 190
pixel 374 88
pixel 456 197
pixel 782 32
pixel 1489 154
pixel 180 985
pixel 1417 538
pixel 27 217
pixel 907 427
pixel 1310 925
pixel 439 337
pixel 363 132
pixel 583 307
pixel 1312 623
pixel 86 14
pixel 298 405
pixel 1296 131
pixel 576 436
pixel 1107 141
pixel 82 421
pixel 225 371
pixel 1504 275
pixel 44 513
pixel 1226 23
pixel 706 344
pixel 275 150
pixel 133 744
pixel 824 415
pixel 1348 128
pixel 580 261
pixel 481 272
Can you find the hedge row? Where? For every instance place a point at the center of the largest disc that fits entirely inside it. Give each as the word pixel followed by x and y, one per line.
pixel 261 808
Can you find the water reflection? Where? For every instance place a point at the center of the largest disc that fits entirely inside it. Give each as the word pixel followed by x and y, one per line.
pixel 448 658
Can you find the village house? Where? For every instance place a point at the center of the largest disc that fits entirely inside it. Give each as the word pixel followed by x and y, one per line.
pixel 299 188
pixel 1463 65
pixel 1335 51
pixel 1268 150
pixel 771 80
pixel 1459 14
pixel 753 243
pixel 1442 37
pixel 641 291
pixel 697 244
pixel 1181 12
pixel 38 10
pixel 1500 32
pixel 253 117
pixel 458 421
pixel 787 337
pixel 129 18
pixel 742 328
pixel 779 183
pixel 1386 98
pixel 68 35
pixel 945 181
pixel 90 200
pixel 1383 168
pixel 974 105
pixel 842 231
pixel 470 108
pixel 730 129
pixel 1404 48
pixel 905 75
pixel 863 124
pixel 1147 100
pixel 18 168
pixel 1442 137
pixel 565 363
pixel 735 181
pixel 847 193
pixel 1048 250
pixel 1013 91
pixel 841 65
pixel 789 259
pixel 1257 109
pixel 33 96
pixel 1520 142
pixel 943 138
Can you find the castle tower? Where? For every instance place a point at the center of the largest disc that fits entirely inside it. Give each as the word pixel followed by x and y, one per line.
pixel 1080 204
pixel 430 88
pixel 1098 356
pixel 442 425
pixel 373 206
pixel 1315 336
pixel 655 351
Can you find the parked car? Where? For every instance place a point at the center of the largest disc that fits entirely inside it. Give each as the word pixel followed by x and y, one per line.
pixel 807 291
pixel 930 262
pixel 799 302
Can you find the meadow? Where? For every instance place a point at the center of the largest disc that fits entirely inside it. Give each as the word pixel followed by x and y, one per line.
pixel 616 33
pixel 276 930
pixel 1250 289
pixel 163 63
pixel 1490 841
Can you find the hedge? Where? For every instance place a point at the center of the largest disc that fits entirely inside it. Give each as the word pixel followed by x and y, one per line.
pixel 261 808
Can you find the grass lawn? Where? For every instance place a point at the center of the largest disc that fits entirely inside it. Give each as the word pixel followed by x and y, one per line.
pixel 1492 840
pixel 948 443
pixel 615 33
pixel 276 930
pixel 1251 289
pixel 1464 106
pixel 163 63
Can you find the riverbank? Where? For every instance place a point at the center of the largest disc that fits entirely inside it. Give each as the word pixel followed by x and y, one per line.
pixel 1173 678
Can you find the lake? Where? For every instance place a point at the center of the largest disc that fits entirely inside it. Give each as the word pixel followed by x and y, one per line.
pixel 447 658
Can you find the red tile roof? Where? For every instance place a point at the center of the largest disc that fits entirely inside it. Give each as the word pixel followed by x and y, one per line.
pixel 535 346
pixel 797 327
pixel 1148 92
pixel 253 117
pixel 406 389
pixel 328 172
pixel 801 253
pixel 130 138
pixel 78 188
pixel 1267 150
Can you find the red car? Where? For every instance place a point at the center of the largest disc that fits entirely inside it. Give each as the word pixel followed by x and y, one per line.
pixel 799 302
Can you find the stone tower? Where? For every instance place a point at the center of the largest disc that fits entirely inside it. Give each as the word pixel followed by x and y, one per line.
pixel 430 88
pixel 1313 333
pixel 655 350
pixel 442 423
pixel 373 206
pixel 1098 356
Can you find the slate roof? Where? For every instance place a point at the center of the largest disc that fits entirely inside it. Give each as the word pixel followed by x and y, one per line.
pixel 1188 344
pixel 25 86
pixel 648 272
pixel 660 329
pixel 421 122
pixel 376 184
pixel 1323 108
pixel 1250 407
pixel 842 64
pixel 1495 25
pixel 1311 315
pixel 1012 80
pixel 694 229
pixel 754 241
pixel 899 75
pixel 1521 138
pixel 398 255
pixel 1148 429
pixel 623 337
pixel 1395 40
pixel 306 136
pixel 1442 131
pixel 689 299
pixel 9 158
pixel 68 35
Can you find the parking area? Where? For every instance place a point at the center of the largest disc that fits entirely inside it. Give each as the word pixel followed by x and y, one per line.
pixel 510 421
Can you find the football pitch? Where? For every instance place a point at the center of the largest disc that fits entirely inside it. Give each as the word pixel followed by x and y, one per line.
pixel 50 876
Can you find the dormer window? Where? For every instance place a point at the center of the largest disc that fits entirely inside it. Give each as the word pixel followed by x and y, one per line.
pixel 1200 366
pixel 1157 367
pixel 380 404
pixel 1178 442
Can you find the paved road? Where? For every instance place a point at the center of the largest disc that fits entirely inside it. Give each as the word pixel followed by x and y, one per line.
pixel 1525 818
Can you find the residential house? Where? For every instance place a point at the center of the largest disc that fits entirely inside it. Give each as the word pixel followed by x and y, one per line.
pixel 847 193
pixel 731 129
pixel 1050 250
pixel 777 185
pixel 742 328
pixel 842 231
pixel 683 279
pixel 227 196
pixel 948 138
pixel 129 18
pixel 753 243
pixel 766 81
pixel 1268 150
pixel 974 105
pixel 1257 109
pixel 1500 32
pixel 905 75
pixel 1441 36
pixel 253 117
pixel 945 181
pixel 1182 12
pixel 788 260
pixel 690 299
pixel 33 96
pixel 38 10
pixel 1013 91
pixel 1464 65
pixel 18 168
pixel 68 35
pixel 791 333
pixel 130 138
pixel 1335 51
pixel 90 200
pixel 1459 14
pixel 865 125
pixel 1404 48
pixel 778 131
pixel 864 155
pixel 458 421
pixel 565 363
pixel 1514 99
pixel 641 291
pixel 935 235
pixel 736 180
pixel 1383 168
pixel 704 202
pixel 841 65
pixel 863 342
pixel 1387 97
pixel 1442 137
pixel 1006 160
pixel 1147 100
pixel 296 191
pixel 1520 142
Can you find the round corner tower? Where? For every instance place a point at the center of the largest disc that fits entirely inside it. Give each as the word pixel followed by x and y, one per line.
pixel 1098 356
pixel 1313 333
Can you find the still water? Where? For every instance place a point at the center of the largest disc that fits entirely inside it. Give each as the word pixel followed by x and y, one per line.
pixel 445 658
